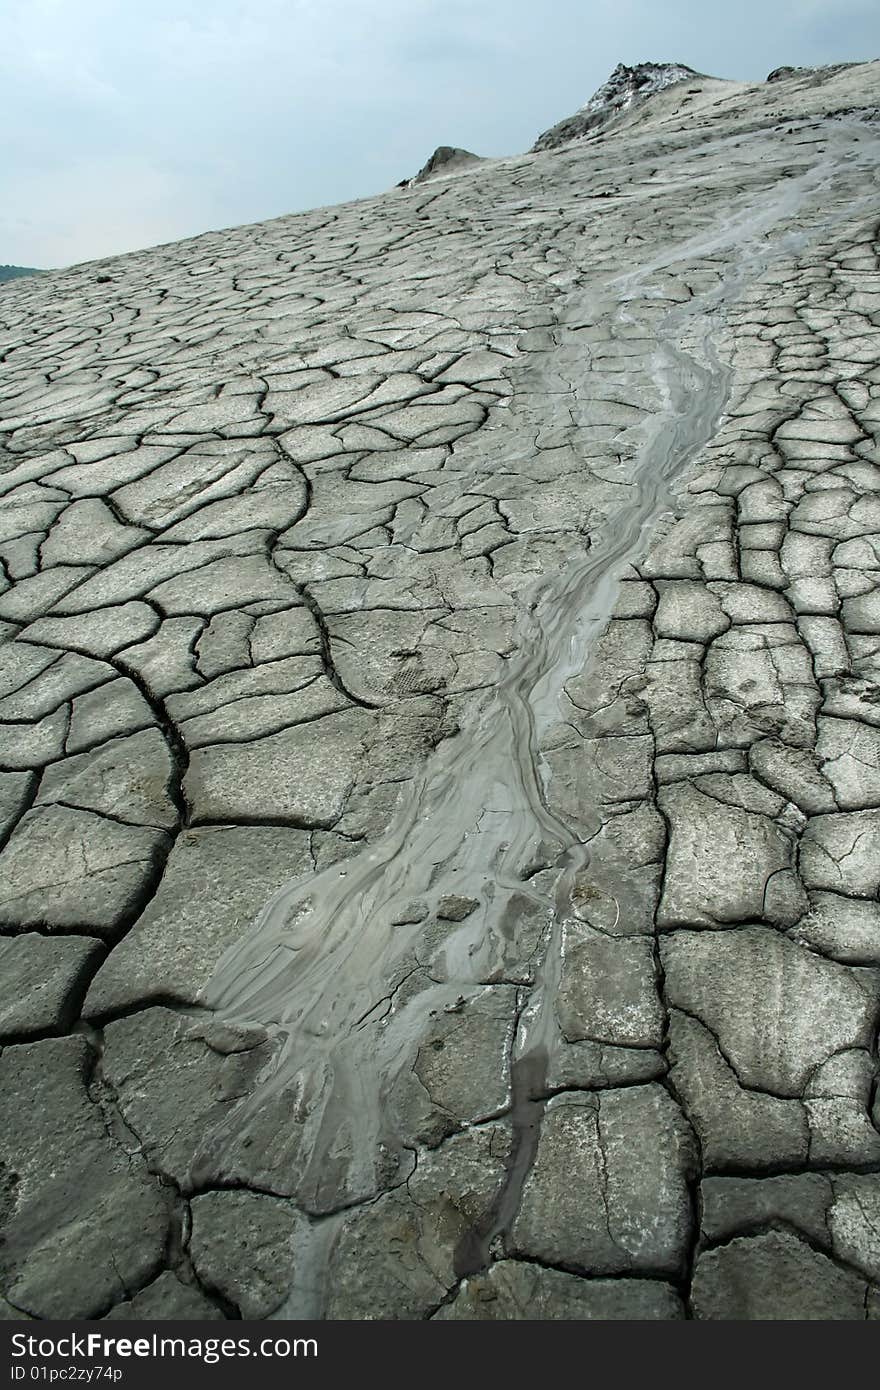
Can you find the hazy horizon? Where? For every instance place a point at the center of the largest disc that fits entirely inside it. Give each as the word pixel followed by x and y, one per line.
pixel 136 128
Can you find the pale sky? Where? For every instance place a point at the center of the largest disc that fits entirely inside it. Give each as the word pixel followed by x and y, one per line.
pixel 126 124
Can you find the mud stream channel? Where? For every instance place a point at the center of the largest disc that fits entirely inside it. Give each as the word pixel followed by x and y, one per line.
pixel 349 968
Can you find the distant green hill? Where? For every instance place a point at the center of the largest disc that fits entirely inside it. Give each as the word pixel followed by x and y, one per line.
pixel 12 272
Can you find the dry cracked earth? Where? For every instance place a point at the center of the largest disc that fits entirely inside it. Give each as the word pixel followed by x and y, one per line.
pixel 440 746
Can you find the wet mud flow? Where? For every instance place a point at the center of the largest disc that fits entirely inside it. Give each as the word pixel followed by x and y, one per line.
pixel 348 966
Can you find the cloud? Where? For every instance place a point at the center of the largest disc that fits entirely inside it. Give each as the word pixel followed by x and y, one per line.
pixel 94 207
pixel 135 123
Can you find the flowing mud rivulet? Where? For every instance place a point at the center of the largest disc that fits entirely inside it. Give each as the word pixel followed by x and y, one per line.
pixel 440 749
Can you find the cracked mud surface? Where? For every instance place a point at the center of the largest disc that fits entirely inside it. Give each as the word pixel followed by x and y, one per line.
pixel 440 743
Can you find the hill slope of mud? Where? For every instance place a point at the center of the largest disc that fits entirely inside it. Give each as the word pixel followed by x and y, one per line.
pixel 440 750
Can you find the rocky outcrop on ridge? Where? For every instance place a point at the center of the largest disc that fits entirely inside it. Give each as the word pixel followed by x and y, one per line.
pixel 625 88
pixel 445 160
pixel 784 73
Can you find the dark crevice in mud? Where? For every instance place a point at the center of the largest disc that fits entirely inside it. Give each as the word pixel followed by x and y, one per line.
pixel 641 1275
pixel 596 1088
pixel 280 822
pixel 181 1261
pixel 153 867
pixel 176 746
pixel 448 1298
pixel 161 849
pixel 177 1261
pixel 113 819
pixel 26 1315
pixel 767 1225
pixel 102 934
pixel 645 1274
pixel 175 1005
pixel 694 1178
pixel 229 741
pixel 27 802
pixel 786 1169
pixel 104 1095
pixel 68 1012
pixel 327 662
pixel 219 1184
pixel 528 1079
pixel 873 1101
pixel 120 1132
pixel 797 1097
